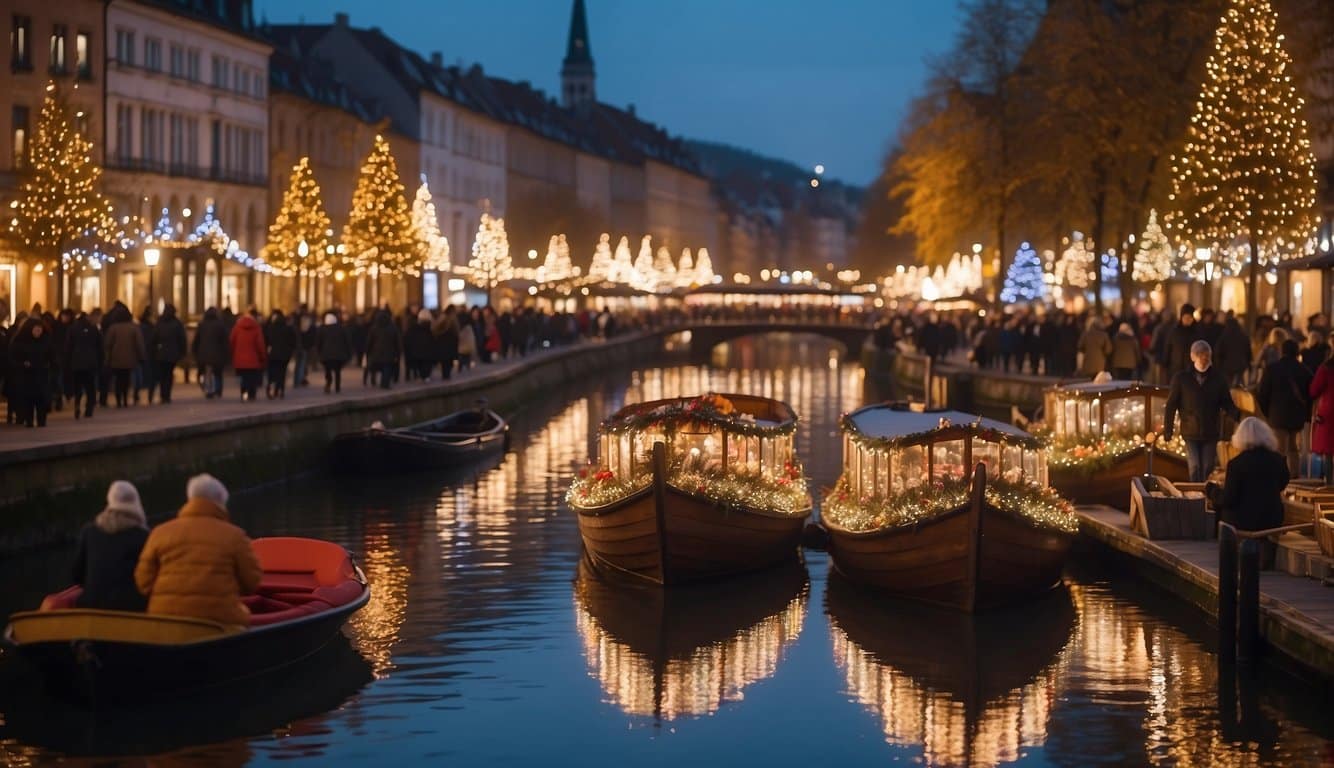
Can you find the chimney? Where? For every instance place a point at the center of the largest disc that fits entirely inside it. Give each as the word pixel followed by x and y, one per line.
pixel 438 59
pixel 340 19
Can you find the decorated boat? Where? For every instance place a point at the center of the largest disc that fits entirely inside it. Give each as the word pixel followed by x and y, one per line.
pixel 307 591
pixel 688 489
pixel 947 508
pixel 1102 434
pixel 457 441
pixel 688 651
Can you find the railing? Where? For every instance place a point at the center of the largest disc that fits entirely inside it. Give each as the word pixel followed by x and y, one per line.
pixel 1239 591
pixel 185 170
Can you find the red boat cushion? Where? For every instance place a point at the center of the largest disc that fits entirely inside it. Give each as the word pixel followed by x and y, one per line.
pixel 295 612
pixel 287 581
pixel 340 594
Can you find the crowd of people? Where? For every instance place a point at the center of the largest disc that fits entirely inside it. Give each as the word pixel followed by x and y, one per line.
pixel 90 359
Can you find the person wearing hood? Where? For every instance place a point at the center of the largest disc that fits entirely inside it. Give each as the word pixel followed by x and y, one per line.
pixel 418 347
pixel 1127 356
pixel 166 348
pixel 249 355
pixel 124 347
pixel 83 359
pixel 30 361
pixel 199 564
pixel 281 339
pixel 145 374
pixel 333 347
pixel 384 347
pixel 108 552
pixel 210 351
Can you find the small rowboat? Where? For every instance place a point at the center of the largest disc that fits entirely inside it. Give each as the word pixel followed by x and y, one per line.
pixel 455 441
pixel 308 590
pixel 692 489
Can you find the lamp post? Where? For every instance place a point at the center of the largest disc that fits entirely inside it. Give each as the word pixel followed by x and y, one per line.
pixel 302 251
pixel 151 258
pixel 1204 257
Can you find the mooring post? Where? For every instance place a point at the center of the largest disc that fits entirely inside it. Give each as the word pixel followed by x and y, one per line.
pixel 1227 598
pixel 1248 602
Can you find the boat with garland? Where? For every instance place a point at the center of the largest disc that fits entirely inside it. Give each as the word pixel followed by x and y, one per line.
pixel 947 508
pixel 688 489
pixel 1102 434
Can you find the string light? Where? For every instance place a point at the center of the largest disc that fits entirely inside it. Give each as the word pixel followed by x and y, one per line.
pixel 301 218
pixel 490 264
pixel 379 236
pixel 433 246
pixel 1154 260
pixel 1037 504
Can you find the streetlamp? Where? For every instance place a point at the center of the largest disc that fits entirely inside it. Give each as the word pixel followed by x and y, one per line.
pixel 151 258
pixel 1204 257
pixel 302 251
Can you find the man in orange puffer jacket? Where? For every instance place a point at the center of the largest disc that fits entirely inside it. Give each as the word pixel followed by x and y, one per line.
pixel 199 564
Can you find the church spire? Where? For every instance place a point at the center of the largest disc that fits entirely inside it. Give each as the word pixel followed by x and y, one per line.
pixel 576 72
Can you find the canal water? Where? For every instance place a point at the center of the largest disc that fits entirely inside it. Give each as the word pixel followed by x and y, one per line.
pixel 486 641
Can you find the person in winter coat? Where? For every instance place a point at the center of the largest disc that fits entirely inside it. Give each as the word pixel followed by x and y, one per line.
pixel 467 341
pixel 1284 399
pixel 145 374
pixel 113 315
pixel 109 550
pixel 1316 352
pixel 83 359
pixel 1126 353
pixel 166 348
pixel 1097 348
pixel 1252 494
pixel 59 334
pixel 445 341
pixel 1177 355
pixel 210 351
pixel 30 360
pixel 1322 431
pixel 199 564
pixel 1199 396
pixel 281 339
pixel 1271 351
pixel 249 355
pixel 384 347
pixel 418 347
pixel 124 347
pixel 333 347
pixel 1233 351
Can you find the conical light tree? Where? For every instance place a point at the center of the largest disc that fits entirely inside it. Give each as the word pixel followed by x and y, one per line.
pixel 1075 267
pixel 490 264
pixel 1247 168
pixel 379 235
pixel 646 276
pixel 300 219
pixel 550 263
pixel 1153 261
pixel 433 246
pixel 664 271
pixel 59 205
pixel 623 265
pixel 703 267
pixel 1023 279
pixel 600 269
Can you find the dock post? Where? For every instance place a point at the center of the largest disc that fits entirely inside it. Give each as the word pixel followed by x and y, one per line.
pixel 1227 598
pixel 1248 602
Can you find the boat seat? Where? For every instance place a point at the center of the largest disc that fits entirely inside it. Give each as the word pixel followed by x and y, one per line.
pixel 287 582
pixel 281 557
pixel 294 612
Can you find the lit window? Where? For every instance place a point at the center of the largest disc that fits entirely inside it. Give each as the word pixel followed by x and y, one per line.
pixel 20 121
pixel 20 40
pixel 58 33
pixel 83 56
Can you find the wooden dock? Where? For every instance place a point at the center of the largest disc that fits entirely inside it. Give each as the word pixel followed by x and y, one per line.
pixel 1296 612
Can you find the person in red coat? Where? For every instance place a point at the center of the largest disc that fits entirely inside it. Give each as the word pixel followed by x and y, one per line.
pixel 1322 430
pixel 249 354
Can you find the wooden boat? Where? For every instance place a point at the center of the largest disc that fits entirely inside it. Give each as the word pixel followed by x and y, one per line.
pixel 670 466
pixel 1121 414
pixel 308 589
pixel 685 651
pixel 458 440
pixel 909 518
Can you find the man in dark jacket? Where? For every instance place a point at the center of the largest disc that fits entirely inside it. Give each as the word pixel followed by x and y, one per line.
pixel 384 346
pixel 166 349
pixel 83 359
pixel 333 348
pixel 1285 401
pixel 1199 395
pixel 1233 351
pixel 1184 334
pixel 211 350
pixel 30 357
pixel 418 348
pixel 281 339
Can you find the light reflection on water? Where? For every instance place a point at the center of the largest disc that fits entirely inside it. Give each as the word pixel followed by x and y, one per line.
pixel 484 641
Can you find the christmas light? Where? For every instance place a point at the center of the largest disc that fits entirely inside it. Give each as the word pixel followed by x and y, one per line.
pixel 490 264
pixel 300 219
pixel 379 235
pixel 1023 279
pixel 1154 262
pixel 433 246
pixel 1039 505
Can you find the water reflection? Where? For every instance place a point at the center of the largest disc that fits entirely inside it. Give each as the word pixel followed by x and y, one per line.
pixel 970 689
pixel 686 651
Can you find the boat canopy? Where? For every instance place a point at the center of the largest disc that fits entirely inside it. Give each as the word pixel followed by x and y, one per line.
pixel 1105 409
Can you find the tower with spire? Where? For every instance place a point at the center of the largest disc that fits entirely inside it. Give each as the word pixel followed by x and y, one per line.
pixel 576 72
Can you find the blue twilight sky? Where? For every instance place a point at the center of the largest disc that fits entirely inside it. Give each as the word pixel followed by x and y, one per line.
pixel 811 81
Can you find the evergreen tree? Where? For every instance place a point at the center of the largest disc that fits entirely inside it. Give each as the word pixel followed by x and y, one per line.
pixel 601 268
pixel 490 263
pixel 300 218
pixel 1075 268
pixel 433 247
pixel 1023 280
pixel 646 277
pixel 59 206
pixel 685 271
pixel 379 235
pixel 1153 262
pixel 664 271
pixel 1247 168
pixel 704 267
pixel 624 268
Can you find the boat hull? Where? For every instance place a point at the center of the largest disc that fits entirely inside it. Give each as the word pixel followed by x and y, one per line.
pixel 971 558
pixel 679 537
pixel 1111 486
pixel 394 451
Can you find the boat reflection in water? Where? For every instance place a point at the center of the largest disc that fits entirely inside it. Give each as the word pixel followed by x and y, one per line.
pixel 686 651
pixel 970 689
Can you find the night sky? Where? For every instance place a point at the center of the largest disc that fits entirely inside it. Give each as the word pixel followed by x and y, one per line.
pixel 812 81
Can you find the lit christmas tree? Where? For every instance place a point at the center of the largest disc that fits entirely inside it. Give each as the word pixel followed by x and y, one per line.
pixel 550 268
pixel 434 247
pixel 1074 270
pixel 704 267
pixel 1153 262
pixel 1247 168
pixel 379 235
pixel 685 270
pixel 664 271
pixel 1023 279
pixel 301 218
pixel 646 277
pixel 623 269
pixel 59 206
pixel 602 266
pixel 490 264
pixel 564 264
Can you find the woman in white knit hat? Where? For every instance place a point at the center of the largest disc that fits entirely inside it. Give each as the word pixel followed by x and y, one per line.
pixel 108 550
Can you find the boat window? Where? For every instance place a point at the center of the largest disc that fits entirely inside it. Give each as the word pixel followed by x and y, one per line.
pixel 623 449
pixel 884 471
pixel 604 449
pixel 1012 463
pixel 767 464
pixel 910 469
pixel 988 453
pixel 947 460
pixel 700 450
pixel 868 473
pixel 1032 461
pixel 1070 420
pixel 1125 416
pixel 1042 467
pixel 854 468
pixel 1158 406
pixel 643 448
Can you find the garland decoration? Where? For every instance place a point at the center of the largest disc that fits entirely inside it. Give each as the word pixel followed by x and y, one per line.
pixel 786 494
pixel 955 431
pixel 1092 455
pixel 1041 506
pixel 710 410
